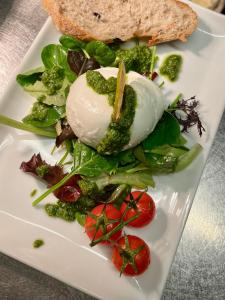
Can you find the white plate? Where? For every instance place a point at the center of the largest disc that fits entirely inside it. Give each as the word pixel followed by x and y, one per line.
pixel 66 254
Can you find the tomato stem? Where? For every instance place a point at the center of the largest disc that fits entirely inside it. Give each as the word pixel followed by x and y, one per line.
pixel 107 236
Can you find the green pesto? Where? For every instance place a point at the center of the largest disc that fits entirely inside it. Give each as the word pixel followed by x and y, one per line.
pixel 102 86
pixel 53 79
pixel 42 170
pixel 68 211
pixel 171 67
pixel 39 111
pixel 118 133
pixel 33 193
pixel 38 243
pixel 137 59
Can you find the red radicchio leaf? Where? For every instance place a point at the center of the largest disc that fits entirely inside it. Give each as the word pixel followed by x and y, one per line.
pixel 79 63
pixel 154 75
pixel 31 165
pixel 69 192
pixel 66 134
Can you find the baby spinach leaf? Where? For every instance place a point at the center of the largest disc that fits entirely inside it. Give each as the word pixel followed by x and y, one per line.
pixel 167 132
pixel 88 162
pixel 101 52
pixel 71 43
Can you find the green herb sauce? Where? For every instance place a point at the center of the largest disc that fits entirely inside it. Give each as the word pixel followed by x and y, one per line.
pixel 68 211
pixel 118 133
pixel 38 243
pixel 171 67
pixel 137 59
pixel 33 193
pixel 53 79
pixel 101 85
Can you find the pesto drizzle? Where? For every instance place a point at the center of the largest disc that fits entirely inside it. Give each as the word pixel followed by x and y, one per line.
pixel 38 243
pixel 171 67
pixel 118 133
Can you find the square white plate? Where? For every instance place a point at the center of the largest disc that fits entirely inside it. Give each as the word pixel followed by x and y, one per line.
pixel 66 254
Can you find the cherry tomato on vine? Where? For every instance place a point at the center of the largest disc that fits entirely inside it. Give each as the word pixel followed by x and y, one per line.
pixel 131 255
pixel 138 203
pixel 102 220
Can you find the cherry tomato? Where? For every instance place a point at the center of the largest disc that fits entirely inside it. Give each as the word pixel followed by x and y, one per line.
pixel 141 203
pixel 102 219
pixel 131 255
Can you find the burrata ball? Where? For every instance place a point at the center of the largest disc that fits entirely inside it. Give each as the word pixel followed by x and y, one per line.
pixel 89 113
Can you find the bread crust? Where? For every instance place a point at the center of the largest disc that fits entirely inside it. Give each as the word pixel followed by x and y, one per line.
pixel 182 36
pixel 67 26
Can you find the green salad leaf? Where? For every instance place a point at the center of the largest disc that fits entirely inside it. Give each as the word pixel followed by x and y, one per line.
pixel 42 115
pixel 140 179
pixel 166 132
pixel 53 55
pixel 101 52
pixel 70 42
pixel 30 77
pixel 50 87
pixel 88 162
pixel 56 55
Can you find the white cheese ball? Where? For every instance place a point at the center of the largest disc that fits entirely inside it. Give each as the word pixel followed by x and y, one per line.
pixel 89 113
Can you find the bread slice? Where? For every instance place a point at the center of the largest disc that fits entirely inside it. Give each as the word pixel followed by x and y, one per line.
pixel 160 20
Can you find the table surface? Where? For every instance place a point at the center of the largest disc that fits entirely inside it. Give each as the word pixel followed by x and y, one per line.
pixel 199 265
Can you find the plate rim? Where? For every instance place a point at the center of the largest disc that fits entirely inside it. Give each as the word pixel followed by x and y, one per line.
pixel 11 82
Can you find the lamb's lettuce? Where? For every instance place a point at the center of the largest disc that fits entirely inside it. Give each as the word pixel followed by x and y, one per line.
pixel 101 52
pixel 70 42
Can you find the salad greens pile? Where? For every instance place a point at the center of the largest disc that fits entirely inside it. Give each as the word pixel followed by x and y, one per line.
pixel 97 177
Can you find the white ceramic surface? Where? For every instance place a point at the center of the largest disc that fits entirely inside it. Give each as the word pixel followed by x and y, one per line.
pixel 66 254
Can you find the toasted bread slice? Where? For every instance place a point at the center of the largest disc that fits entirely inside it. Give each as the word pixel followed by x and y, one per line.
pixel 160 20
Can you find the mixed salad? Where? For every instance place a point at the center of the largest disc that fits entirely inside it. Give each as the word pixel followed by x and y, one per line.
pixel 98 191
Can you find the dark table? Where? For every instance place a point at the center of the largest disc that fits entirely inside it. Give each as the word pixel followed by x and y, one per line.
pixel 199 266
